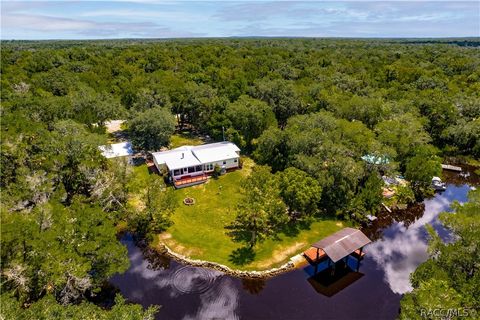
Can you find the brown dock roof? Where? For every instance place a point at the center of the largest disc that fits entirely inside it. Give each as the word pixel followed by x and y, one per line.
pixel 342 243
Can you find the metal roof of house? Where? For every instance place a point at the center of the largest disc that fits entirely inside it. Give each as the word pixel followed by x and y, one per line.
pixel 342 243
pixel 188 156
pixel 177 158
pixel 216 151
pixel 121 149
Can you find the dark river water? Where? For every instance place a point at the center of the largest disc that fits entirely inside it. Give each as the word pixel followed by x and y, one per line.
pixel 374 292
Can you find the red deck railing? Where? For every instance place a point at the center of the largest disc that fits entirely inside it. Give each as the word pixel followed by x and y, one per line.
pixel 189 180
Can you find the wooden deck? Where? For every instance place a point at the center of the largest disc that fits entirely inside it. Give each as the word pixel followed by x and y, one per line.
pixel 311 255
pixel 189 181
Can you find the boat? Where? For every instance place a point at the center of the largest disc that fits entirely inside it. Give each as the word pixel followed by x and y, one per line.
pixel 451 168
pixel 438 184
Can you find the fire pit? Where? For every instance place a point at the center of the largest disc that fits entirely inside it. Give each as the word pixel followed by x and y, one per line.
pixel 189 201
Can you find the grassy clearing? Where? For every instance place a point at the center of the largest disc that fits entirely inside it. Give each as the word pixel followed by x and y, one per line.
pixel 184 139
pixel 199 230
pixel 136 186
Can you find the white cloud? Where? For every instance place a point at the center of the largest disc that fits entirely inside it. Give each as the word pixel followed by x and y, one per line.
pixel 400 255
pixel 49 25
pixel 143 14
pixel 218 294
pixel 423 17
pixel 219 303
pixel 43 23
pixel 167 19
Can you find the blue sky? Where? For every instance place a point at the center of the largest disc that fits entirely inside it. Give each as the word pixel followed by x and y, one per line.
pixel 169 19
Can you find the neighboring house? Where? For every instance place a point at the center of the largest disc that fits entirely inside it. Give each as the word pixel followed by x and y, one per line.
pixel 376 160
pixel 115 150
pixel 189 165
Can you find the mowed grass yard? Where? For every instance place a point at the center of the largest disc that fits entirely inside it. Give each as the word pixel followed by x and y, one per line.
pixel 199 230
pixel 184 139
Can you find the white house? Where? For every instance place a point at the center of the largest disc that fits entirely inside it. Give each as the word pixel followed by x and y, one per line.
pixel 190 165
pixel 115 150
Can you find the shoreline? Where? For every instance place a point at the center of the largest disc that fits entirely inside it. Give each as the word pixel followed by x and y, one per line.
pixel 294 261
pixel 290 265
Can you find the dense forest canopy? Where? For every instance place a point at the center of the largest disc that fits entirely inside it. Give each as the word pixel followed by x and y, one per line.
pixel 306 109
pixel 368 81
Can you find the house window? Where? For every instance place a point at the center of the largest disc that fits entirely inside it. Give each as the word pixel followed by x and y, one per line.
pixel 176 172
pixel 191 169
pixel 198 168
pixel 224 162
pixel 208 167
pixel 234 160
pixel 185 170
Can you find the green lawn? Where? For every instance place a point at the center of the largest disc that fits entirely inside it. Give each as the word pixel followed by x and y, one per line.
pixel 199 230
pixel 184 139
pixel 139 181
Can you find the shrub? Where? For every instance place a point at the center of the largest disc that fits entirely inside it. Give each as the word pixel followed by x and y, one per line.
pixel 217 171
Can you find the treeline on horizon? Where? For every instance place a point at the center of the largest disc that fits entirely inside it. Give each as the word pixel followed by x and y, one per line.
pixel 53 43
pixel 306 109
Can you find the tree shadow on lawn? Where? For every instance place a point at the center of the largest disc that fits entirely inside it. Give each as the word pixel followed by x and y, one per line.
pixel 238 234
pixel 242 256
pixel 292 229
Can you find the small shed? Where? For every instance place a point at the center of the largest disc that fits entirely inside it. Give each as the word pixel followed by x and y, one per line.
pixel 115 150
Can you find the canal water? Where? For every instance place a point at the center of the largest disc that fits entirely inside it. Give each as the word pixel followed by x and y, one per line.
pixel 374 292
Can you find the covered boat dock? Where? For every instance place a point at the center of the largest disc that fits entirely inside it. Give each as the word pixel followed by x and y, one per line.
pixel 341 244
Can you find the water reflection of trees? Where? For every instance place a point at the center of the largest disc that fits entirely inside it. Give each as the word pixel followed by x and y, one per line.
pixel 104 298
pixel 374 229
pixel 467 176
pixel 156 260
pixel 253 286
pixel 385 219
